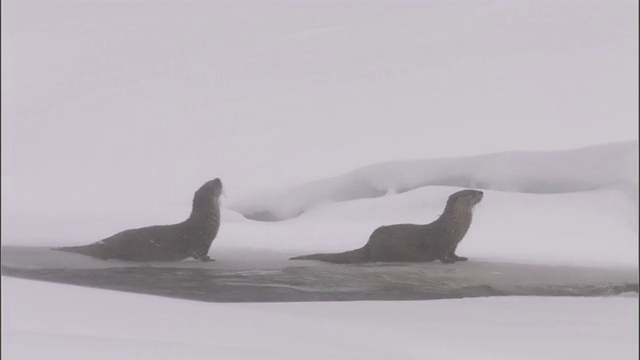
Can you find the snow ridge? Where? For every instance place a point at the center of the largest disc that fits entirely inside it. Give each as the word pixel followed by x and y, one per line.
pixel 613 165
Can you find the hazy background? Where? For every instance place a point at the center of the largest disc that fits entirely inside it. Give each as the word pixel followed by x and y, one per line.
pixel 121 109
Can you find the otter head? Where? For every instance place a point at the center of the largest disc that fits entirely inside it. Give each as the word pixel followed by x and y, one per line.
pixel 208 193
pixel 465 198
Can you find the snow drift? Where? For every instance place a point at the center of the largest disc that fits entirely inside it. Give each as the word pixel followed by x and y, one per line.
pixel 603 166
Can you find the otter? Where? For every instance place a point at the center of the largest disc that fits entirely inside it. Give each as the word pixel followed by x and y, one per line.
pixel 190 238
pixel 415 243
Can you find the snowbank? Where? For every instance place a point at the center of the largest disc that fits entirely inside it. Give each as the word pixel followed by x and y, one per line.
pixel 590 228
pixel 573 207
pixel 609 165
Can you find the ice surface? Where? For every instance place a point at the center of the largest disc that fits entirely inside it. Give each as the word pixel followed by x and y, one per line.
pixel 254 275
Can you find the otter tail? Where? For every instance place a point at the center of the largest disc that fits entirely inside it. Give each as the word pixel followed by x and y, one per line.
pixel 347 257
pixel 84 249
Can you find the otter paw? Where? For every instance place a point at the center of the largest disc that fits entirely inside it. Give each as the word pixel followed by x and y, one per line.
pixel 204 258
pixel 446 261
pixel 460 258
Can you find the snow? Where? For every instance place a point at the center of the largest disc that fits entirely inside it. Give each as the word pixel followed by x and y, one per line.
pixel 576 207
pixel 610 165
pixel 114 113
pixel 38 322
pixel 124 108
pixel 594 228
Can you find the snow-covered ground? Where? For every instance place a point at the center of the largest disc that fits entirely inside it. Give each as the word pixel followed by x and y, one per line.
pixel 114 113
pixel 40 321
pixel 595 228
pixel 592 227
pixel 576 207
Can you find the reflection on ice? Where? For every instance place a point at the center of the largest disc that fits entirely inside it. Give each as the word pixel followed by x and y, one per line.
pixel 252 276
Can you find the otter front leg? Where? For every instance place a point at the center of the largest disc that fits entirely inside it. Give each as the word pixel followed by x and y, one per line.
pixel 205 258
pixel 455 257
pixel 446 260
pixel 442 253
pixel 452 255
pixel 201 257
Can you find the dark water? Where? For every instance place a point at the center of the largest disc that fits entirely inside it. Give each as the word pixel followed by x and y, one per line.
pixel 254 276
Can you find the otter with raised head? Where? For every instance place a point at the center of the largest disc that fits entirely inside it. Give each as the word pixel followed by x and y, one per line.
pixel 190 238
pixel 415 243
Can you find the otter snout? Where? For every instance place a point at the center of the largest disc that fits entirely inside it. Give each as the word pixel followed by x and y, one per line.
pixel 215 183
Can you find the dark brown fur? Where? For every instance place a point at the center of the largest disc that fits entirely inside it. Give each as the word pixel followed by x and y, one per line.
pixel 190 238
pixel 415 243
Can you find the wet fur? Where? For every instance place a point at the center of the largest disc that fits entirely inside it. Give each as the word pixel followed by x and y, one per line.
pixel 415 243
pixel 190 238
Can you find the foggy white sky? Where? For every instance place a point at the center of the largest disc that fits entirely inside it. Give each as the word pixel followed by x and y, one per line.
pixel 124 107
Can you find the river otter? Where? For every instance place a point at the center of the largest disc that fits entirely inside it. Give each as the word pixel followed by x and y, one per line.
pixel 190 238
pixel 415 243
